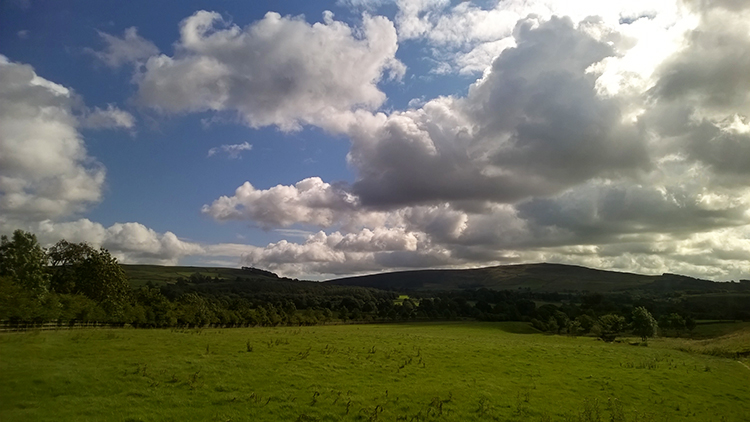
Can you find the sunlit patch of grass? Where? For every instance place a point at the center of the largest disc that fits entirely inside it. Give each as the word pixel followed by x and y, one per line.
pixel 420 371
pixel 735 345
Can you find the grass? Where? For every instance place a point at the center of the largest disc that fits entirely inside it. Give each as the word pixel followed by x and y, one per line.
pixel 732 341
pixel 427 371
pixel 711 329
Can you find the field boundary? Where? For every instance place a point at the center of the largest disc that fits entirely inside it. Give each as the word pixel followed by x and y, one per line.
pixel 10 327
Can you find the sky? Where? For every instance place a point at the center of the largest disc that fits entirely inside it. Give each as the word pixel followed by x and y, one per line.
pixel 324 139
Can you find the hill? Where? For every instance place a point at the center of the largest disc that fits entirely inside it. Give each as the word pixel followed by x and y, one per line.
pixel 532 277
pixel 160 275
pixel 538 278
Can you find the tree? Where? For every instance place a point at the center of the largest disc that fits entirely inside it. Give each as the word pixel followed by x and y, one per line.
pixel 65 260
pixel 644 325
pixel 562 320
pixel 586 322
pixel 81 269
pixel 690 324
pixel 24 261
pixel 610 326
pixel 675 322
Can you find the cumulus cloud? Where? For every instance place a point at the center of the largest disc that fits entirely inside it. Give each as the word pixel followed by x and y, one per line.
pixel 233 151
pixel 45 171
pixel 310 201
pixel 130 48
pixel 47 176
pixel 109 118
pixel 702 96
pixel 618 141
pixel 605 141
pixel 534 125
pixel 337 253
pixel 129 242
pixel 277 71
pixel 466 37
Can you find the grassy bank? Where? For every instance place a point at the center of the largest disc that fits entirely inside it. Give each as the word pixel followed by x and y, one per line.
pixel 449 371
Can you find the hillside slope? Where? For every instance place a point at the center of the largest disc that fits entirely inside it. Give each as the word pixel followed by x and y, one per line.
pixel 160 275
pixel 535 277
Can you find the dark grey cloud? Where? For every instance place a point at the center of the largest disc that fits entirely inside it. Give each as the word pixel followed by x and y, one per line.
pixel 534 125
pixel 602 213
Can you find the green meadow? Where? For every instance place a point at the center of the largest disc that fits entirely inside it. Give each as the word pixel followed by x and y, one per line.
pixel 414 372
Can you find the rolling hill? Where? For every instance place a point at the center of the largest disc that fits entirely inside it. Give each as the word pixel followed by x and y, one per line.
pixel 160 275
pixel 536 277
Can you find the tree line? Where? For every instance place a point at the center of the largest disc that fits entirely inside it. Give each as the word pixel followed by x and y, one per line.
pixel 74 282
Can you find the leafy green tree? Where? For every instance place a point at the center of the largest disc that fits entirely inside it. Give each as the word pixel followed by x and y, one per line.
pixel 193 310
pixel 158 309
pixel 101 278
pixel 24 261
pixel 574 328
pixel 78 268
pixel 552 325
pixel 690 324
pixel 16 303
pixel 675 322
pixel 65 259
pixel 610 326
pixel 586 322
pixel 562 320
pixel 644 325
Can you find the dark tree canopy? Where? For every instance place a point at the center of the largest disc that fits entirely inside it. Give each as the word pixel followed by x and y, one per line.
pixel 644 325
pixel 80 269
pixel 24 261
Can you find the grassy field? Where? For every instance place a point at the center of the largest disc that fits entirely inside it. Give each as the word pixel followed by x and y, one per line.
pixel 731 340
pixel 428 371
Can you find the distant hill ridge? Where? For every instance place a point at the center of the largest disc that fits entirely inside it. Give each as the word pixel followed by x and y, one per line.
pixel 542 277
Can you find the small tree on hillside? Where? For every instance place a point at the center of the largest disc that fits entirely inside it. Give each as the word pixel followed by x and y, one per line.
pixel 644 325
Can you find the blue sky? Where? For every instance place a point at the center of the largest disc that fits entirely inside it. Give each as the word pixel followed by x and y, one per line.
pixel 321 139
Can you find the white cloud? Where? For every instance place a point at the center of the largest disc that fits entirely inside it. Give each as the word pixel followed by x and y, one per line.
pixel 367 250
pixel 466 37
pixel 131 48
pixel 233 151
pixel 109 118
pixel 46 174
pixel 310 201
pixel 618 141
pixel 129 242
pixel 609 142
pixel 308 74
pixel 535 124
pixel 45 171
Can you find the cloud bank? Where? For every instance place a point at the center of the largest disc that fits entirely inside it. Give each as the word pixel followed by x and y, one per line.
pixel 608 134
pixel 606 141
